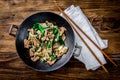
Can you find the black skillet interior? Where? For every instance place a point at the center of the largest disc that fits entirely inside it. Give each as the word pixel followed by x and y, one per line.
pixel 22 34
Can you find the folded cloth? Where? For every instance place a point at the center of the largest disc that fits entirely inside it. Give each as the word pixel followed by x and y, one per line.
pixel 86 57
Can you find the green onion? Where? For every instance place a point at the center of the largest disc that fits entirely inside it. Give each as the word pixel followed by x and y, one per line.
pixel 54 51
pixel 52 56
pixel 43 60
pixel 56 37
pixel 61 41
pixel 49 44
pixel 38 26
pixel 55 31
pixel 42 43
pixel 36 48
pixel 47 27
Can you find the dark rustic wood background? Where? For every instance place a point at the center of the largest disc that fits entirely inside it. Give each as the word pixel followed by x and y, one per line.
pixel 103 14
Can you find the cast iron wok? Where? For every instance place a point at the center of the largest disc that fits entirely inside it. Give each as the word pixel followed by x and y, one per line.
pixel 22 33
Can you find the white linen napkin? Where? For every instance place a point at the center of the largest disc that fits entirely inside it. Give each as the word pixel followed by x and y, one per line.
pixel 86 57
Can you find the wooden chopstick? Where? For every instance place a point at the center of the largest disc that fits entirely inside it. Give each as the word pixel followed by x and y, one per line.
pixel 67 18
pixel 85 43
pixel 87 36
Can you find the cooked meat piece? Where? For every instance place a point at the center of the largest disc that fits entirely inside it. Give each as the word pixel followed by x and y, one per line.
pixel 36 54
pixel 43 25
pixel 52 36
pixel 50 33
pixel 46 33
pixel 51 62
pixel 43 38
pixel 63 37
pixel 35 42
pixel 62 49
pixel 44 51
pixel 49 50
pixel 47 57
pixel 31 30
pixel 47 39
pixel 31 51
pixel 39 34
pixel 56 45
pixel 26 43
pixel 35 58
pixel 50 24
pixel 59 55
pixel 31 36
pixel 62 30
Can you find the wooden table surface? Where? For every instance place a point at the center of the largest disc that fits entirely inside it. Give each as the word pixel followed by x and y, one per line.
pixel 103 14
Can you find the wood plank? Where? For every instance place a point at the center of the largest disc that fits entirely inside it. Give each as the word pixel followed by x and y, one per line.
pixel 104 16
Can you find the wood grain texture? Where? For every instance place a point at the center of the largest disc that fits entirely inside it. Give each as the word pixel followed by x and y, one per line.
pixel 103 14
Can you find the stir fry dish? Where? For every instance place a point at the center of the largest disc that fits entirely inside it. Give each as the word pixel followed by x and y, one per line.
pixel 46 42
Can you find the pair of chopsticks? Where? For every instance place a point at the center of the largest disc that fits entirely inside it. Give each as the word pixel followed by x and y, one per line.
pixel 74 26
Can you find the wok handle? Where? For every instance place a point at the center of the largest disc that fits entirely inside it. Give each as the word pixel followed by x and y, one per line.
pixel 77 50
pixel 11 30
